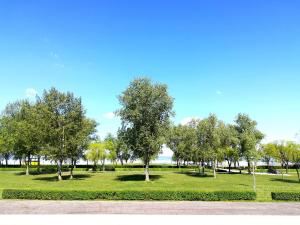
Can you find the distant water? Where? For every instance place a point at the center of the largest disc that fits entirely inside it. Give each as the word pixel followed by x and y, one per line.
pixel 163 159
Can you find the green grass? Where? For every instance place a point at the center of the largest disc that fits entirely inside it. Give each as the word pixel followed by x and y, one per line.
pixel 161 180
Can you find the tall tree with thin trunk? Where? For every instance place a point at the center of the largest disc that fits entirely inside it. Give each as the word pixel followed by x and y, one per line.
pixel 145 112
pixel 249 138
pixel 209 139
pixel 63 117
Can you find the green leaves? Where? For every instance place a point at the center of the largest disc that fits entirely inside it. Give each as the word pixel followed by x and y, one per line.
pixel 145 112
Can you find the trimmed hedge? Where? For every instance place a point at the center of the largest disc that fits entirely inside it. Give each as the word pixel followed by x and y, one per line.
pixel 286 196
pixel 127 195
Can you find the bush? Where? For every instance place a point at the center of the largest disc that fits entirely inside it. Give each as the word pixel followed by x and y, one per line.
pixel 286 196
pixel 127 195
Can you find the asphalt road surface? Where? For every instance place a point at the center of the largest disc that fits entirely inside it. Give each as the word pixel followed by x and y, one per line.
pixel 148 208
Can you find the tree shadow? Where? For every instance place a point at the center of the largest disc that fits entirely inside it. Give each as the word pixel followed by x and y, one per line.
pixel 34 173
pixel 285 180
pixel 137 177
pixel 65 177
pixel 195 174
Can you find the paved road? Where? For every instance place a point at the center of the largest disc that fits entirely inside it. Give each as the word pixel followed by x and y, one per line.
pixel 148 208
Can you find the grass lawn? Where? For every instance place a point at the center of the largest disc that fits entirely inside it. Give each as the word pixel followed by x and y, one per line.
pixel 161 180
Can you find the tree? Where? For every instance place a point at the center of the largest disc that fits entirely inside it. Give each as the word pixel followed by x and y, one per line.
pixel 285 153
pixel 269 152
pixel 249 138
pixel 296 157
pixel 111 147
pixel 63 116
pixel 8 130
pixel 209 139
pixel 145 112
pixel 80 141
pixel 229 143
pixel 29 135
pixel 96 152
pixel 122 149
pixel 182 141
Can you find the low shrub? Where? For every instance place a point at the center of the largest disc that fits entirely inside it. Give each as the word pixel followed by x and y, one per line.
pixel 127 195
pixel 286 196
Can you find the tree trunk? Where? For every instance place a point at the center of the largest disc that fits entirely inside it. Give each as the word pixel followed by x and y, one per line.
pixel 59 165
pixel 20 162
pixel 27 165
pixel 268 164
pixel 103 166
pixel 95 167
pixel 254 179
pixel 39 164
pixel 27 169
pixel 214 166
pixel 6 162
pixel 287 168
pixel 298 174
pixel 229 166
pixel 249 167
pixel 147 177
pixel 71 173
pixel 71 170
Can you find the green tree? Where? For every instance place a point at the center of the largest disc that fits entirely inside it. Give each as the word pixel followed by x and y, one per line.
pixel 209 139
pixel 229 143
pixel 8 130
pixel 122 149
pixel 269 152
pixel 295 148
pixel 95 153
pixel 79 141
pixel 249 138
pixel 182 141
pixel 111 146
pixel 145 112
pixel 29 135
pixel 63 116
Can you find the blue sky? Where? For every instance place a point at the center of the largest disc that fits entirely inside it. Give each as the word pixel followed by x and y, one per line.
pixel 221 57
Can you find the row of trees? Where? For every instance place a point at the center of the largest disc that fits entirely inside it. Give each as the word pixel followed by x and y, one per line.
pixel 210 141
pixel 54 126
pixel 286 153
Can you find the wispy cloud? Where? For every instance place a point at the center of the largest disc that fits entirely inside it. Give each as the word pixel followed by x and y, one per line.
pixel 31 93
pixel 109 115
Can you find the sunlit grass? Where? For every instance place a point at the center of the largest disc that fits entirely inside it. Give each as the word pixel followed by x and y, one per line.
pixel 134 180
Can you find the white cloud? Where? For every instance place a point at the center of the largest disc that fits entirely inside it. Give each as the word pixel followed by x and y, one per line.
pixel 219 92
pixel 187 120
pixel 31 93
pixel 109 115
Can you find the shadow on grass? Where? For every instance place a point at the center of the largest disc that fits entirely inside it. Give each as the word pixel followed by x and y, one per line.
pixel 195 174
pixel 285 180
pixel 137 177
pixel 65 177
pixel 34 173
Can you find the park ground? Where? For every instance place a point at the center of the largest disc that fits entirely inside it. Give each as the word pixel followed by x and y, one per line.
pixel 160 180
